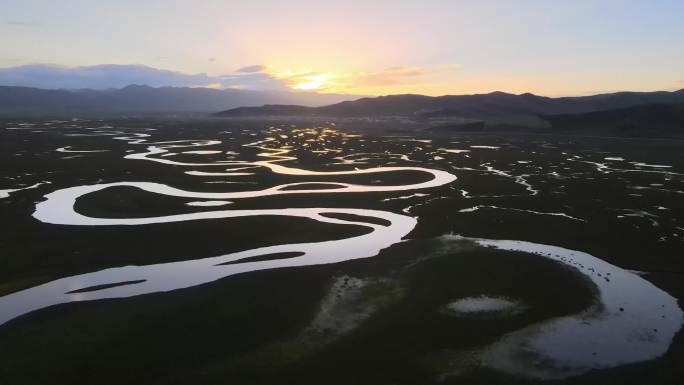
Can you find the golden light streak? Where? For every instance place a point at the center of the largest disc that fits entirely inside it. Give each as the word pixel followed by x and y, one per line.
pixel 313 82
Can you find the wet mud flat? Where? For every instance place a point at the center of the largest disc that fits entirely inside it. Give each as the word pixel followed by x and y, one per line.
pixel 450 303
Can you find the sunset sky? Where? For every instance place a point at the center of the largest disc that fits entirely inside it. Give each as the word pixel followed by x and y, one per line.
pixel 363 47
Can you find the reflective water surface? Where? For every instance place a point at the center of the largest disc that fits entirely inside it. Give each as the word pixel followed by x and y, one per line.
pixel 632 320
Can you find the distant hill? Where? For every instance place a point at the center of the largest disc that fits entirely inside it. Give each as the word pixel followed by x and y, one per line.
pixel 492 108
pixel 135 99
pixel 270 110
pixel 640 120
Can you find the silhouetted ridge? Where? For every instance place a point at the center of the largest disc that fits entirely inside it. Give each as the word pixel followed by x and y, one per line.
pixel 495 107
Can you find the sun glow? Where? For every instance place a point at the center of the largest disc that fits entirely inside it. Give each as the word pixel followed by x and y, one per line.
pixel 382 81
pixel 317 81
pixel 396 79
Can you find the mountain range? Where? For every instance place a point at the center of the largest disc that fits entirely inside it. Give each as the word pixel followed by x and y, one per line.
pixel 145 100
pixel 492 108
pixel 622 112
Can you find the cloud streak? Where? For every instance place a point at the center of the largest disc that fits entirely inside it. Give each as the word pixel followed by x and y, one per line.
pixel 117 76
pixel 252 69
pixel 20 23
pixel 390 76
